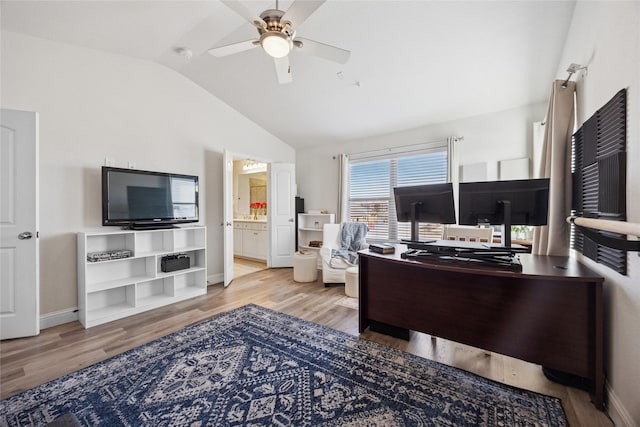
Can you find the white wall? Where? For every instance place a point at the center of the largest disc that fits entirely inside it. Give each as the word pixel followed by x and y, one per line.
pixel 605 36
pixel 94 105
pixel 503 135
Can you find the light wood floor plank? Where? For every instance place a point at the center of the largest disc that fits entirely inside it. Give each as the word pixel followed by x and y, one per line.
pixel 243 266
pixel 28 362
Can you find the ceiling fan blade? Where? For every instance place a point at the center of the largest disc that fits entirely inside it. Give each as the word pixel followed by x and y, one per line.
pixel 283 70
pixel 244 11
pixel 230 49
pixel 322 50
pixel 300 10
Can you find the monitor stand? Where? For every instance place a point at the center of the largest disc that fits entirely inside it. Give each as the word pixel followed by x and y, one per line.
pixel 415 228
pixel 470 253
pixel 506 224
pixel 415 225
pixel 499 258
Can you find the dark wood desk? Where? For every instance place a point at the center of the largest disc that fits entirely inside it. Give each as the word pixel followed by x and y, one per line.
pixel 549 314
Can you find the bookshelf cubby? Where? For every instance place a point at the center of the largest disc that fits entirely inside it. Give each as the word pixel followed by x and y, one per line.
pixel 111 289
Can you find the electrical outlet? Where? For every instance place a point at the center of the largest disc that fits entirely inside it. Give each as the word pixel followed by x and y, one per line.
pixel 131 165
pixel 109 161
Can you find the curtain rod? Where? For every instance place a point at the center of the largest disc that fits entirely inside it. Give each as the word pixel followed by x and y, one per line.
pixel 398 147
pixel 573 68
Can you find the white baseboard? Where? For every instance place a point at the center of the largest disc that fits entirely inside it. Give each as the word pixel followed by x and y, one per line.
pixel 616 410
pixel 215 278
pixel 58 318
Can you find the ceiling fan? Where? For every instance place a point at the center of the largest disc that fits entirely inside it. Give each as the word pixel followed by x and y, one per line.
pixel 277 36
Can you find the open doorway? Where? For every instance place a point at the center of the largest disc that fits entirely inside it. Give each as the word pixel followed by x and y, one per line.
pixel 269 225
pixel 250 217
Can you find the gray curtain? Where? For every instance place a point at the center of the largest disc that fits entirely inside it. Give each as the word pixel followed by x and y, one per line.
pixel 555 163
pixel 343 188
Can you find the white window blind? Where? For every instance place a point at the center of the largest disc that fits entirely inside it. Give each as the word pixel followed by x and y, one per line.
pixel 371 183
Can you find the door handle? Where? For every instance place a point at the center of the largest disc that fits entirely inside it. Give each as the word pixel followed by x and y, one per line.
pixel 25 235
pixel 229 224
pixel 290 219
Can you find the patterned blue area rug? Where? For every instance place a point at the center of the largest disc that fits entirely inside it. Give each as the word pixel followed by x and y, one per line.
pixel 253 366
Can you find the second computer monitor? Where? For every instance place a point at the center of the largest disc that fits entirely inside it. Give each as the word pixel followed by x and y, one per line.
pixel 515 202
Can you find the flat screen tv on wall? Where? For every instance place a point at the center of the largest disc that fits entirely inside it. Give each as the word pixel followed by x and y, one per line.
pixel 140 199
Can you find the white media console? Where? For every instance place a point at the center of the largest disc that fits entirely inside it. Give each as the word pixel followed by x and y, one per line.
pixel 111 289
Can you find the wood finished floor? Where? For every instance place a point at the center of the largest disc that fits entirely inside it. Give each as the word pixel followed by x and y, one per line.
pixel 243 266
pixel 28 362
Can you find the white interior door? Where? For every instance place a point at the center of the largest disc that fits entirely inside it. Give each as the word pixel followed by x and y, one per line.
pixel 281 205
pixel 227 224
pixel 19 254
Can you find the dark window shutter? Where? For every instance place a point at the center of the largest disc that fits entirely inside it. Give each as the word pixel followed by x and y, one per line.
pixel 599 178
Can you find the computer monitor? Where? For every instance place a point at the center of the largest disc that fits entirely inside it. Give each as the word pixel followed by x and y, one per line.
pixel 506 203
pixel 431 203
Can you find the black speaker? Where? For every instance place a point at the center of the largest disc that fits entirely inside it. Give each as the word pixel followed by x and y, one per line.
pixel 170 263
pixel 299 209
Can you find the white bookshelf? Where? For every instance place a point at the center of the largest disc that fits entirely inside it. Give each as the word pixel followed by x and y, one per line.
pixel 310 229
pixel 117 288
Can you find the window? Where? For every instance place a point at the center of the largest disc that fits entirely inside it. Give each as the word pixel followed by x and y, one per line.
pixel 371 183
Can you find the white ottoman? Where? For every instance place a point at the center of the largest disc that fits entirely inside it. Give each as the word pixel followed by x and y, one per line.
pixel 351 282
pixel 305 267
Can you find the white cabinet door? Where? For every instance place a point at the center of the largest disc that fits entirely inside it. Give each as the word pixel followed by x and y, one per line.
pixel 237 241
pixel 250 243
pixel 261 245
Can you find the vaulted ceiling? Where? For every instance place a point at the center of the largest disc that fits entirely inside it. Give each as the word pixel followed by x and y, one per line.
pixel 413 63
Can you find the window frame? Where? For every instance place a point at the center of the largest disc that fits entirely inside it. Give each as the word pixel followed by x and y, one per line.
pixel 395 232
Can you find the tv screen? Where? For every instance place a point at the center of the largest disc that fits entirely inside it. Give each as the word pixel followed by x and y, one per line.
pixel 146 199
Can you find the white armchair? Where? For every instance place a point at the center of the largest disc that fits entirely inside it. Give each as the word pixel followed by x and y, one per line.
pixel 330 240
pixel 333 270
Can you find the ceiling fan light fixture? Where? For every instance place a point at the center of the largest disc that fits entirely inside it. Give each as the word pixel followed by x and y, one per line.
pixel 275 43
